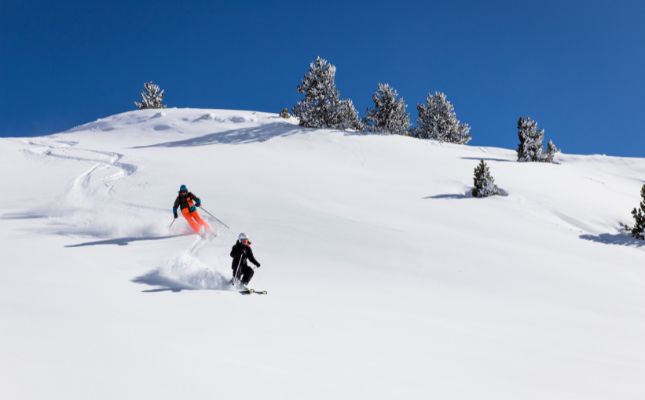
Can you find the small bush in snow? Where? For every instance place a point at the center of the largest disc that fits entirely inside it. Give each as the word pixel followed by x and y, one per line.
pixel 484 182
pixel 151 97
pixel 530 147
pixel 551 151
pixel 638 231
pixel 437 120
pixel 285 113
pixel 322 106
pixel 389 114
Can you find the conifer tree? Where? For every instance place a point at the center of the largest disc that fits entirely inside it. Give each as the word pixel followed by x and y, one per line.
pixel 348 116
pixel 389 114
pixel 437 120
pixel 151 97
pixel 484 184
pixel 638 231
pixel 551 151
pixel 530 147
pixel 322 106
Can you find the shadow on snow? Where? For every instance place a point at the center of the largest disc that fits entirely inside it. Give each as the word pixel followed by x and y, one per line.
pixel 21 215
pixel 621 239
pixel 235 136
pixel 486 159
pixel 162 283
pixel 467 195
pixel 448 196
pixel 124 241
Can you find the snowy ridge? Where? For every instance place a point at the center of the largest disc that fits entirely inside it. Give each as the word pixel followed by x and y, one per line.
pixel 386 278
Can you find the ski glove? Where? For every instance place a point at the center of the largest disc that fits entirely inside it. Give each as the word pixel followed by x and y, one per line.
pixel 198 203
pixel 174 212
pixel 192 209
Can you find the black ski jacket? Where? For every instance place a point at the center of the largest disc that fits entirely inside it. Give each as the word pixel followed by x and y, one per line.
pixel 182 201
pixel 243 252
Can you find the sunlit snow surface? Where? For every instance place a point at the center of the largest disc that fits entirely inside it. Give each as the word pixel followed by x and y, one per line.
pixel 385 278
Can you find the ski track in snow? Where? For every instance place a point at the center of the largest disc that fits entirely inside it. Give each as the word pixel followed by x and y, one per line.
pixel 111 161
pixel 97 185
pixel 90 206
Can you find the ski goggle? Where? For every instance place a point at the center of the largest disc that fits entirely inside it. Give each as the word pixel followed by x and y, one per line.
pixel 246 241
pixel 183 192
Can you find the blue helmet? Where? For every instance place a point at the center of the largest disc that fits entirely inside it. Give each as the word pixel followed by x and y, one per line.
pixel 183 188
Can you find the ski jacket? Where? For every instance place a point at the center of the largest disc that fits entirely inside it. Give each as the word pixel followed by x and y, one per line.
pixel 186 201
pixel 241 253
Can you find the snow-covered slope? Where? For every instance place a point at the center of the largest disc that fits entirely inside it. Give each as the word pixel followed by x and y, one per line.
pixel 385 280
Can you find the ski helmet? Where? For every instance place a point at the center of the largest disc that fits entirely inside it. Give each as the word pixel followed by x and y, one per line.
pixel 183 188
pixel 242 236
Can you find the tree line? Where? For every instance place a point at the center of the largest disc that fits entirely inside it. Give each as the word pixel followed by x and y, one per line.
pixel 323 107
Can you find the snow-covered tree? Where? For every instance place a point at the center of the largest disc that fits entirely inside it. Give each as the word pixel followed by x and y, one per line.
pixel 638 231
pixel 151 97
pixel 389 114
pixel 285 113
pixel 551 151
pixel 437 120
pixel 484 184
pixel 530 147
pixel 531 138
pixel 348 116
pixel 322 106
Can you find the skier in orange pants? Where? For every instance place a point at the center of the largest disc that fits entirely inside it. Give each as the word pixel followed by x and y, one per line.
pixel 188 203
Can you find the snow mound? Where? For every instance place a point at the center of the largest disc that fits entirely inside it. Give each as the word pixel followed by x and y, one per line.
pixel 172 119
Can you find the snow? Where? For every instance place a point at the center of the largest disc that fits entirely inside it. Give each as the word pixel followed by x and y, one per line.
pixel 385 280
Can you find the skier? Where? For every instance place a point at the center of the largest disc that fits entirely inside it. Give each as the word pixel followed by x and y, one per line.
pixel 241 252
pixel 188 203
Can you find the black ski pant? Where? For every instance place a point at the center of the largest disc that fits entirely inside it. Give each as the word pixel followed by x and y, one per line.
pixel 245 274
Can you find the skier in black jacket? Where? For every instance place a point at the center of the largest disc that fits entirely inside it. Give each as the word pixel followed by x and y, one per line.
pixel 241 252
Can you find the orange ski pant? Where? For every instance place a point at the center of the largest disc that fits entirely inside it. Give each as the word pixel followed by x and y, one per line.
pixel 195 220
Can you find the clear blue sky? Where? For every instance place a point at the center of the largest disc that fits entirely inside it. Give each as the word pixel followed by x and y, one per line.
pixel 577 67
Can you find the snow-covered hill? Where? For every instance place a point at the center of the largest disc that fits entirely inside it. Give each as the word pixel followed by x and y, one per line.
pixel 385 280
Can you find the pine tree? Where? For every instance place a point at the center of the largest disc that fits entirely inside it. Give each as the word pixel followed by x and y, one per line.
pixel 389 114
pixel 151 97
pixel 348 116
pixel 322 106
pixel 285 113
pixel 638 231
pixel 530 147
pixel 437 120
pixel 551 151
pixel 484 184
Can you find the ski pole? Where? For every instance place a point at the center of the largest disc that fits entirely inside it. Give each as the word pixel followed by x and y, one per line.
pixel 237 271
pixel 173 221
pixel 217 219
